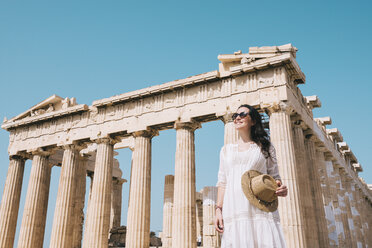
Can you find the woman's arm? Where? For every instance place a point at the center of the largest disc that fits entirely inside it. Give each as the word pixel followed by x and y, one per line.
pixel 273 170
pixel 218 222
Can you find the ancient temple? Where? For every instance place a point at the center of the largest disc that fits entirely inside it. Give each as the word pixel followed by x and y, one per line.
pixel 328 204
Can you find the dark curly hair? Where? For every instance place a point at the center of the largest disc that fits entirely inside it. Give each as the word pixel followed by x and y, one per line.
pixel 258 133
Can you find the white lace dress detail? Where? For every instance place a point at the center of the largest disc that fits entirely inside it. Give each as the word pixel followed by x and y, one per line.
pixel 244 224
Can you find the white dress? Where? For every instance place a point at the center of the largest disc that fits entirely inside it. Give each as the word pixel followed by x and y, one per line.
pixel 244 224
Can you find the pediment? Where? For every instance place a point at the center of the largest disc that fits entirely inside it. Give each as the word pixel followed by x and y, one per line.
pixel 51 104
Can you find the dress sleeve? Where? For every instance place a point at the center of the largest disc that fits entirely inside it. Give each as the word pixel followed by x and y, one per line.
pixel 221 182
pixel 272 165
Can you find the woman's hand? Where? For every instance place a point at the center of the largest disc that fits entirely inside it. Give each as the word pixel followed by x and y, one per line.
pixel 218 220
pixel 281 190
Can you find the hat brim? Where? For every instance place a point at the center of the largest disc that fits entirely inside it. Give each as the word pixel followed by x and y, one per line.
pixel 247 190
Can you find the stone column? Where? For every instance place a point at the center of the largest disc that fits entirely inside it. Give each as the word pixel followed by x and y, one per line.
pixel 116 198
pixel 355 211
pixel 327 199
pixel 10 202
pixel 345 180
pixel 91 176
pixel 307 213
pixel 79 202
pixel 317 196
pixel 64 211
pixel 289 207
pixel 167 211
pixel 199 215
pixel 184 223
pixel 334 201
pixel 210 236
pixel 345 238
pixel 231 134
pixel 366 218
pixel 361 206
pixel 138 224
pixel 35 210
pixel 98 220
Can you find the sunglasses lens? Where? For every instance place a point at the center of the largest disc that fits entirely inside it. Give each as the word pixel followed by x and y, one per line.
pixel 234 116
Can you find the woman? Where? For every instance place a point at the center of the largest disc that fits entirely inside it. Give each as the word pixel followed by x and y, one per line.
pixel 243 224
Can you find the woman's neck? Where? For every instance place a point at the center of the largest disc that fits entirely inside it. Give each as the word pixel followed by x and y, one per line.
pixel 245 137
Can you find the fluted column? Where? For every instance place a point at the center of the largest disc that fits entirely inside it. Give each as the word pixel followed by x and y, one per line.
pixel 356 213
pixel 98 219
pixel 210 236
pixel 327 199
pixel 167 211
pixel 35 210
pixel 64 211
pixel 138 224
pixel 340 213
pixel 366 218
pixel 79 202
pixel 230 134
pixel 10 201
pixel 116 198
pixel 363 217
pixel 332 191
pixel 184 219
pixel 305 199
pixel 316 192
pixel 345 180
pixel 289 207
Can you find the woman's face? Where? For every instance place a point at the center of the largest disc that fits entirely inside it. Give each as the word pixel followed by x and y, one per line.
pixel 243 123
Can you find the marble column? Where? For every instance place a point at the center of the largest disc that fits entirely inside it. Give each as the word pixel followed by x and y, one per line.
pixel 62 229
pixel 334 201
pixel 230 134
pixel 167 211
pixel 366 217
pixel 307 213
pixel 289 207
pixel 116 198
pixel 317 196
pixel 345 238
pixel 35 209
pixel 98 220
pixel 345 180
pixel 361 206
pixel 184 219
pixel 79 202
pixel 138 224
pixel 327 199
pixel 211 238
pixel 199 216
pixel 10 201
pixel 356 213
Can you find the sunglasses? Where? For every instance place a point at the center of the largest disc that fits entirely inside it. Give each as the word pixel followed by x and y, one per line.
pixel 241 114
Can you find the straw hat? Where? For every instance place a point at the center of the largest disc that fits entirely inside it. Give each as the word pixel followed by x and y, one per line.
pixel 260 190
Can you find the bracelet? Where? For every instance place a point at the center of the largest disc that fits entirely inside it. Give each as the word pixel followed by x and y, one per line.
pixel 218 207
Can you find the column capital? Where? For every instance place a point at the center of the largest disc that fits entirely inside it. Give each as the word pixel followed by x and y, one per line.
pixel 193 125
pixel 75 146
pixel 106 140
pixel 22 157
pixel 226 118
pixel 42 151
pixel 279 107
pixel 149 133
pixel 328 156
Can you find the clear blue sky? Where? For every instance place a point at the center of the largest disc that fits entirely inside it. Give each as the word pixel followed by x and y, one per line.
pixel 96 49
